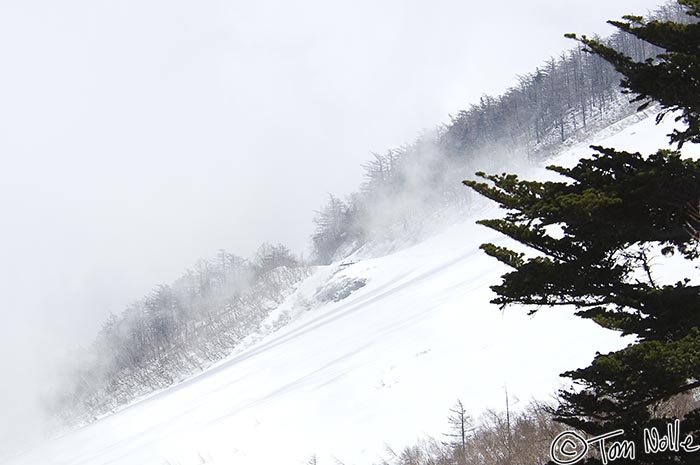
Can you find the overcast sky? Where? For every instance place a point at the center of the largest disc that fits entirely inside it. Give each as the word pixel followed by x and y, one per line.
pixel 138 136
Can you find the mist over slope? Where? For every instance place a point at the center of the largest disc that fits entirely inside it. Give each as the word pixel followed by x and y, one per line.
pixel 227 305
pixel 375 350
pixel 224 303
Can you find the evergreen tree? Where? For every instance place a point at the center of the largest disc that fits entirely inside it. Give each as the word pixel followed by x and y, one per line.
pixel 597 236
pixel 673 78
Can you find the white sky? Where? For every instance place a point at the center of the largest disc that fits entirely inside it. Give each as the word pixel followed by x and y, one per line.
pixel 138 136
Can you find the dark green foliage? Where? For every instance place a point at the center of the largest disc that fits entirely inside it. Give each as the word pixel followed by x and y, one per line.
pixel 673 77
pixel 597 236
pixel 617 202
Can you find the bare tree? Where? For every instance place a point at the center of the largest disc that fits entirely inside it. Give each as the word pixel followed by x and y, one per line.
pixel 461 426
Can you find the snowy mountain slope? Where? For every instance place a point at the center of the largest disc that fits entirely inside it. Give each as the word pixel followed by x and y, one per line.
pixel 375 352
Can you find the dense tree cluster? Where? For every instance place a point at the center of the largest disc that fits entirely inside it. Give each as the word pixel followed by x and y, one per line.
pixel 567 98
pixel 177 330
pixel 335 223
pixel 671 79
pixel 547 107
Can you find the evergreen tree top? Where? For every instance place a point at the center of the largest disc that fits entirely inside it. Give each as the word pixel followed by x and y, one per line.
pixel 673 77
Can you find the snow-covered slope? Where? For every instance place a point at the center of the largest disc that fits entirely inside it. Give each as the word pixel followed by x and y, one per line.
pixel 375 353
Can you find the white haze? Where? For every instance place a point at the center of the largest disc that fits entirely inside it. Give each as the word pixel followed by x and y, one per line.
pixel 139 136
